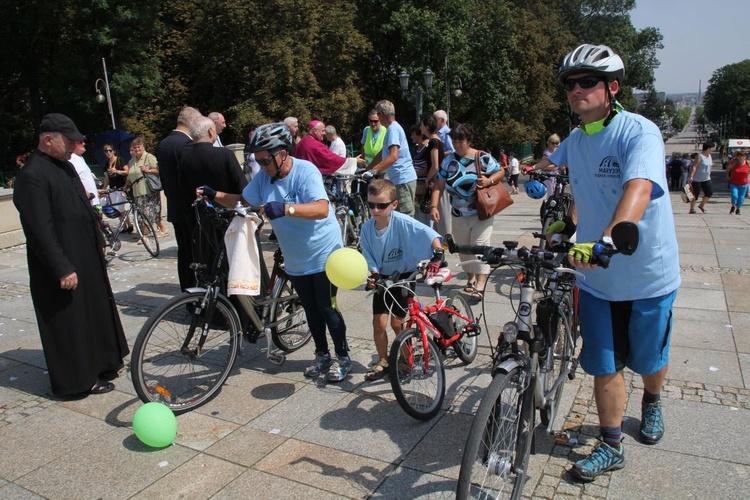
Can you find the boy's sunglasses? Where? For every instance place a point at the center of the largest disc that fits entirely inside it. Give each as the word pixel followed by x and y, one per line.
pixel 379 206
pixel 586 82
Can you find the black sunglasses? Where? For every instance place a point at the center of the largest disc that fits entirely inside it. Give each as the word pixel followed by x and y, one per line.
pixel 374 121
pixel 379 206
pixel 266 161
pixel 585 82
pixel 109 150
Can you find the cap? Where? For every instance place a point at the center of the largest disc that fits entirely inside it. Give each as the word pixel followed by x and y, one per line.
pixel 55 122
pixel 312 124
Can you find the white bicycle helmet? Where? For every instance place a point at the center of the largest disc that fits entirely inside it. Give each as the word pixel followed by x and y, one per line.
pixel 597 59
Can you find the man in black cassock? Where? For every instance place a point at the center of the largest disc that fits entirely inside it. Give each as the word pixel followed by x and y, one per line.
pixel 79 325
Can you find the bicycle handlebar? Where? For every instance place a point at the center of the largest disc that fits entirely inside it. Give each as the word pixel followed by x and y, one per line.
pixel 222 211
pixel 625 237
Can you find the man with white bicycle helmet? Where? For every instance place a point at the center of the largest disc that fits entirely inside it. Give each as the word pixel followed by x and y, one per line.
pixel 292 195
pixel 616 164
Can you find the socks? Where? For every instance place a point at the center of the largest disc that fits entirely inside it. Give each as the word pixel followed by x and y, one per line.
pixel 612 436
pixel 651 398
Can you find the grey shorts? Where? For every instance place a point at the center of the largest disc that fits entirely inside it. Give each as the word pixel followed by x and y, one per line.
pixel 405 194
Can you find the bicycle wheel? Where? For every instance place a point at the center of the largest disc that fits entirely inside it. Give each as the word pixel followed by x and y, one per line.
pixel 490 467
pixel 181 377
pixel 559 354
pixel 149 239
pixel 417 378
pixel 361 215
pixel 465 347
pixel 292 330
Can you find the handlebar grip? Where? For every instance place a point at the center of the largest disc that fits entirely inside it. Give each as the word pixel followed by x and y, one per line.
pixel 601 255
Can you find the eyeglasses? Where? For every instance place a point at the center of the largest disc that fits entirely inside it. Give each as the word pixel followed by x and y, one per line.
pixel 379 206
pixel 109 150
pixel 374 121
pixel 266 161
pixel 554 143
pixel 585 82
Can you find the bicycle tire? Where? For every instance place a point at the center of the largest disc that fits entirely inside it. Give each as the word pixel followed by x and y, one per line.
pixel 361 215
pixel 162 372
pixel 150 241
pixel 559 355
pixel 286 335
pixel 420 392
pixel 487 466
pixel 465 347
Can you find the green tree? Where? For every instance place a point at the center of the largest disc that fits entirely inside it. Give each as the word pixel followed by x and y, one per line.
pixel 727 97
pixel 653 108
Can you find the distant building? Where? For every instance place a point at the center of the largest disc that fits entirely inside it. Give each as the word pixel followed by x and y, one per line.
pixel 641 96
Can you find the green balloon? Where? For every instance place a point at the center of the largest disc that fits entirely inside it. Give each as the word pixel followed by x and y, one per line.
pixel 155 425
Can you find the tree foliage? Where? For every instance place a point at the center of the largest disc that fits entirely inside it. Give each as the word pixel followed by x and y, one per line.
pixel 727 98
pixel 263 60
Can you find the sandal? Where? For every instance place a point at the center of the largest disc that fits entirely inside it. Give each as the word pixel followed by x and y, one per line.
pixel 375 374
pixel 692 212
pixel 702 209
pixel 470 287
pixel 102 387
pixel 477 295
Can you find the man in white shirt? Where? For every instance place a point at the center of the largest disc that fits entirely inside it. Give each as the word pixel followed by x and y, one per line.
pixel 84 172
pixel 221 124
pixel 337 143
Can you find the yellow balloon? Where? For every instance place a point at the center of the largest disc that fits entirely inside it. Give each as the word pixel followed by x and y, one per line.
pixel 346 268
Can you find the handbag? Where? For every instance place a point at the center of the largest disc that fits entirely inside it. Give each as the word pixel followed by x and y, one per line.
pixel 687 193
pixel 153 181
pixel 491 200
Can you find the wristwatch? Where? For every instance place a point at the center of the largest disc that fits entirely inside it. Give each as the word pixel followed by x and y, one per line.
pixel 291 210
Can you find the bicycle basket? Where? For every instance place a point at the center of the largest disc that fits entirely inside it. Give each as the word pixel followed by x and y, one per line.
pixel 110 211
pixel 443 322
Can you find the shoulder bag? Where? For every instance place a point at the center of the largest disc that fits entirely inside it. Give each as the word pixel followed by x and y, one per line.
pixel 493 199
pixel 153 181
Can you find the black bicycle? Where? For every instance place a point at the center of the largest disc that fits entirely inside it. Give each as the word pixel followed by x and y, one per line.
pixel 349 206
pixel 526 376
pixel 187 347
pixel 558 206
pixel 143 226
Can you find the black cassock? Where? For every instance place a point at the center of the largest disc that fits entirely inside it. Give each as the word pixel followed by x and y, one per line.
pixel 81 333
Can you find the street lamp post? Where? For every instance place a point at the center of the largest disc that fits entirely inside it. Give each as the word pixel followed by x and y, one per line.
pixel 428 76
pixel 458 84
pixel 107 96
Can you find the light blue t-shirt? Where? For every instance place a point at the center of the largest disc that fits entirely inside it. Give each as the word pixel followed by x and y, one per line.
pixel 404 243
pixel 630 147
pixel 306 244
pixel 402 170
pixel 444 134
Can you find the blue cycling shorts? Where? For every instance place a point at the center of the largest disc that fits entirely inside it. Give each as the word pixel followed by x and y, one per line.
pixel 633 334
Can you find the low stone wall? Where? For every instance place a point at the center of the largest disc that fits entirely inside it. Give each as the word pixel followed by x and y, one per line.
pixel 10 225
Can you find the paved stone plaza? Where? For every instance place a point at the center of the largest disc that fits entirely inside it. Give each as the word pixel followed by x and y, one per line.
pixel 271 433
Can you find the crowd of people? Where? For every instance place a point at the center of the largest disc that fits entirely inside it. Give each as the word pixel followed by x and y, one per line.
pixel 421 187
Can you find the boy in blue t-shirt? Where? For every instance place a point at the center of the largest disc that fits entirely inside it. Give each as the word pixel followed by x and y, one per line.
pixel 392 241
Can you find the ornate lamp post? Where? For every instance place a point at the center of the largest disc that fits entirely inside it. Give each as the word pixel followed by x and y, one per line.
pixel 428 77
pixel 100 98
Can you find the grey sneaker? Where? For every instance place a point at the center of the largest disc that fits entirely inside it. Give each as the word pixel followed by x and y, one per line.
pixel 322 364
pixel 604 458
pixel 339 369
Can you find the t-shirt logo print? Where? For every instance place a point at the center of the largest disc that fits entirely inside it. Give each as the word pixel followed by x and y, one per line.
pixel 609 168
pixel 395 255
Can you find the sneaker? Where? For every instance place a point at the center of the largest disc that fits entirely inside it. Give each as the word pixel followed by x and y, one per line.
pixel 339 369
pixel 652 423
pixel 737 212
pixel 604 458
pixel 321 364
pixel 731 210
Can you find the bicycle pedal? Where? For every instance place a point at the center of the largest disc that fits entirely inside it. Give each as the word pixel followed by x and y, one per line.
pixel 277 359
pixel 573 368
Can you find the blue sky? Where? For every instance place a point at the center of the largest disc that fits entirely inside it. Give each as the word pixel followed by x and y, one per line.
pixel 700 37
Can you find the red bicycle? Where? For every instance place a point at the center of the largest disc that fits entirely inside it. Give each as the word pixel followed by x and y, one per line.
pixel 415 361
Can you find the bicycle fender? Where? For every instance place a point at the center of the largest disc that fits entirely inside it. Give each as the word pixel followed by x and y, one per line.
pixel 506 366
pixel 195 289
